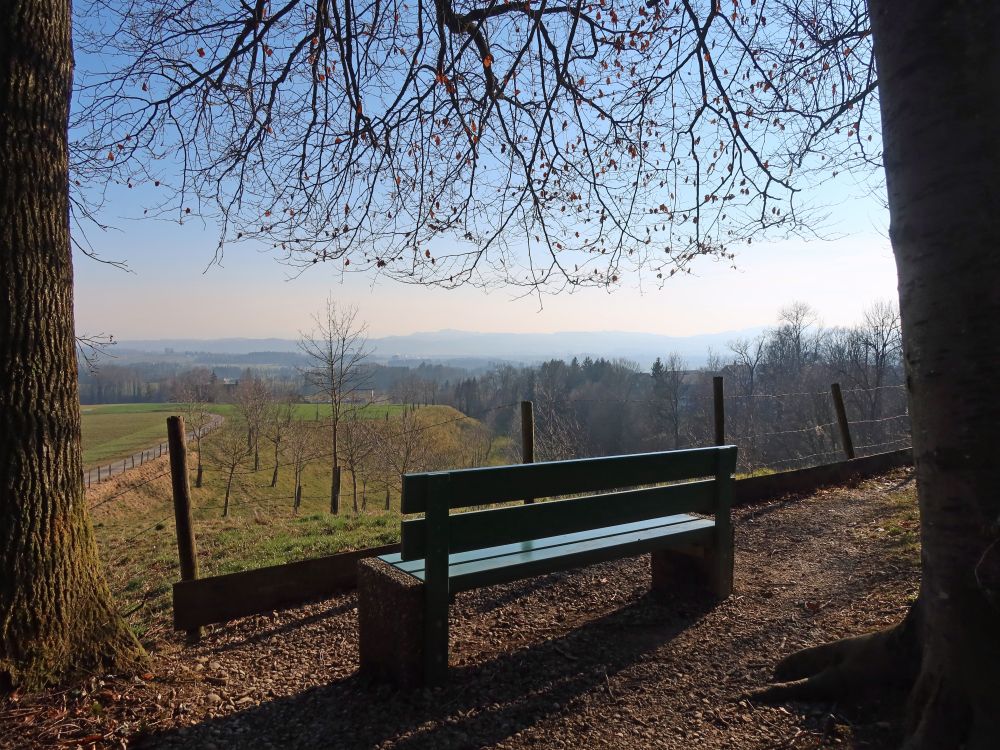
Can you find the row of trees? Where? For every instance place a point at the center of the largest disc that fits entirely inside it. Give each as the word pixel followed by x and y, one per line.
pixel 778 407
pixel 374 450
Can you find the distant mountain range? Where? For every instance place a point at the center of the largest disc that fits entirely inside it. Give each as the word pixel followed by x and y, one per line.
pixel 451 345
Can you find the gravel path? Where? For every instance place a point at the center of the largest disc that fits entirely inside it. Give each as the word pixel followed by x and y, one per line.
pixel 583 659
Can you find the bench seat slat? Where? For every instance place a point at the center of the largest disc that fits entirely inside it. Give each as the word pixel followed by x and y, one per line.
pixel 496 484
pixel 409 566
pixel 485 567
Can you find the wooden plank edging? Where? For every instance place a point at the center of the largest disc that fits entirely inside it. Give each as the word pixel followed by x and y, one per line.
pixel 226 597
pixel 800 481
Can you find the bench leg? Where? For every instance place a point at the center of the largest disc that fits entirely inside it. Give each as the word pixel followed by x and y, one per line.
pixel 721 560
pixel 435 636
pixel 390 624
pixel 694 568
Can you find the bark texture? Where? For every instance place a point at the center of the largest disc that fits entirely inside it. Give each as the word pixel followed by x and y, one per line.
pixel 939 87
pixel 939 76
pixel 56 613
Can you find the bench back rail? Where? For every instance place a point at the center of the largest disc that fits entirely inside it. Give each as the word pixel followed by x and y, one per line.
pixel 437 493
pixel 490 528
pixel 498 484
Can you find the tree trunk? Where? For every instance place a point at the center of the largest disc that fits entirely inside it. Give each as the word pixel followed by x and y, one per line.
pixel 56 613
pixel 335 479
pixel 297 492
pixel 354 490
pixel 229 487
pixel 198 474
pixel 939 83
pixel 274 476
pixel 940 96
pixel 335 491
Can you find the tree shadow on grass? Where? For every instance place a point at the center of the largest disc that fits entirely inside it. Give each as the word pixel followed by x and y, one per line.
pixel 481 704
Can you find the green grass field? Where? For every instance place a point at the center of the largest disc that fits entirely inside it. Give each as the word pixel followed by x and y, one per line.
pixel 115 431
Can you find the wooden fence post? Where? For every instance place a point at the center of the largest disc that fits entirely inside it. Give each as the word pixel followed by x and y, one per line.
pixel 186 549
pixel 527 438
pixel 845 428
pixel 720 410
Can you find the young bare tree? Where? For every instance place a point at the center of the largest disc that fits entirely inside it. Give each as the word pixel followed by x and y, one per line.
pixel 301 446
pixel 668 387
pixel 337 349
pixel 406 446
pixel 279 415
pixel 478 443
pixel 195 391
pixel 253 401
pixel 744 373
pixel 230 453
pixel 358 444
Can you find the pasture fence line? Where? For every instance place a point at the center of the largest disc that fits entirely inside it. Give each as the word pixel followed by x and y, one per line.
pixel 103 472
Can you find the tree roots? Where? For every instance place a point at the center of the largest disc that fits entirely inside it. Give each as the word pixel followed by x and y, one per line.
pixel 848 668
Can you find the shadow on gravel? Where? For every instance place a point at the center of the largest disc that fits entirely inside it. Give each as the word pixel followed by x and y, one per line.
pixel 482 704
pixel 289 627
pixel 517 590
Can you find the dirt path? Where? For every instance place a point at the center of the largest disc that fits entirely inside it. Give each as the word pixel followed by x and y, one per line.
pixel 583 659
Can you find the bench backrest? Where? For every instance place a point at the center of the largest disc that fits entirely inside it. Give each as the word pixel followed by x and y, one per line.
pixel 435 493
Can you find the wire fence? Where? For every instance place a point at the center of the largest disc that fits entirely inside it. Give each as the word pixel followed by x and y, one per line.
pixel 98 474
pixel 764 444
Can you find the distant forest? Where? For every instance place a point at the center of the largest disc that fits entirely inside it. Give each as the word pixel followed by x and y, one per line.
pixel 778 406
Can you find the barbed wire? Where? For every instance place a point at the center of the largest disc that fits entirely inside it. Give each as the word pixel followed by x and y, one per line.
pixel 859 389
pixel 872 388
pixel 735 396
pixel 812 428
pixel 904 439
pixel 883 419
pixel 808 456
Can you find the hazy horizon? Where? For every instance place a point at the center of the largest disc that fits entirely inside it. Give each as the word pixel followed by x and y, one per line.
pixel 175 291
pixel 250 298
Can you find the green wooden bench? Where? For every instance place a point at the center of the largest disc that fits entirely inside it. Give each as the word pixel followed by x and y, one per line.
pixel 403 598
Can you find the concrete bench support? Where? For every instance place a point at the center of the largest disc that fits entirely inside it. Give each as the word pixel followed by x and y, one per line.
pixel 693 568
pixel 390 624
